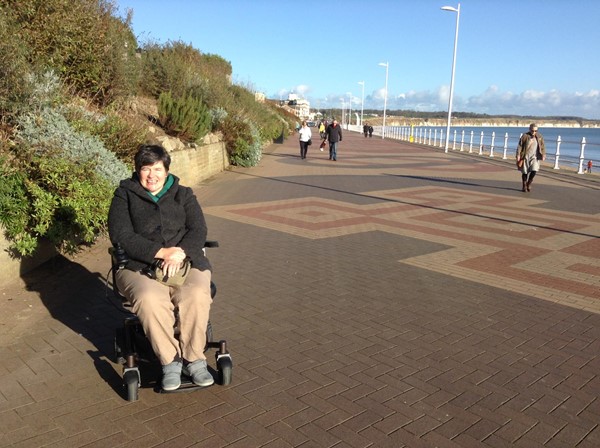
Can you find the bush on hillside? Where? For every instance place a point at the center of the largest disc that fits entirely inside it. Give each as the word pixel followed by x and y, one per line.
pixel 185 72
pixel 218 114
pixel 120 131
pixel 187 117
pixel 14 69
pixel 172 67
pixel 242 141
pixel 55 199
pixel 92 50
pixel 49 132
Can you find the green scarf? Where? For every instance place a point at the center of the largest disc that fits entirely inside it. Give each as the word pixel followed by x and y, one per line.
pixel 168 184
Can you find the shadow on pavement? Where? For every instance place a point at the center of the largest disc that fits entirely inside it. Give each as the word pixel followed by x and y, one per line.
pixel 80 300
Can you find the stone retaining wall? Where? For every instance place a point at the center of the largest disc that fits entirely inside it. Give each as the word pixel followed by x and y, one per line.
pixel 191 165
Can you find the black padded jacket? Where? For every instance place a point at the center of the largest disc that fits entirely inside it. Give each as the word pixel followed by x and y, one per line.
pixel 142 227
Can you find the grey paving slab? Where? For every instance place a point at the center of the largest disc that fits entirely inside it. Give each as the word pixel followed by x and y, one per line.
pixel 397 297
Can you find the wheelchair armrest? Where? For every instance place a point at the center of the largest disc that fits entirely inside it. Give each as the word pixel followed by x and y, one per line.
pixel 211 244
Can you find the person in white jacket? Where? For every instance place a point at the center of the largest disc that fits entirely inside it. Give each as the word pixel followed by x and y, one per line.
pixel 305 139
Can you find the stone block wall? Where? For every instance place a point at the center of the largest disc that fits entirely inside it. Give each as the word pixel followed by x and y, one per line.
pixel 193 165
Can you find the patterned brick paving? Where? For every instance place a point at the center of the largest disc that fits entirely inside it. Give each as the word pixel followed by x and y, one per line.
pixel 397 297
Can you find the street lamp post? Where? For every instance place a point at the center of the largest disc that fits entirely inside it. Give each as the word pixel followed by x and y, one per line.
pixel 387 66
pixel 343 112
pixel 350 110
pixel 457 11
pixel 362 102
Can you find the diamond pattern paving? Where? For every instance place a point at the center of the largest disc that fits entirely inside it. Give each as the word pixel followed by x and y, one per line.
pixel 494 239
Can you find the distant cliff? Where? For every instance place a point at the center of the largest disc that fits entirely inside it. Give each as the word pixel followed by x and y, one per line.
pixel 521 122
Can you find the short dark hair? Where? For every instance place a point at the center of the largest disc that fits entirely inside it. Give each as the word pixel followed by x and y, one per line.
pixel 149 155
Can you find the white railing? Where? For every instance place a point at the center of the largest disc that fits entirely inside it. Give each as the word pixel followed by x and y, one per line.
pixel 504 144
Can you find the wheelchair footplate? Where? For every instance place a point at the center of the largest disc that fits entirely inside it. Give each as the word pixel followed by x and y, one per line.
pixel 187 385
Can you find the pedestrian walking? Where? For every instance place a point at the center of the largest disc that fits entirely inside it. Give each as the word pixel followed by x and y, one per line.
pixel 589 167
pixel 333 135
pixel 305 137
pixel 530 150
pixel 322 130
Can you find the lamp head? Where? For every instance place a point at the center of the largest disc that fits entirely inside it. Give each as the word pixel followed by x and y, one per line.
pixel 449 8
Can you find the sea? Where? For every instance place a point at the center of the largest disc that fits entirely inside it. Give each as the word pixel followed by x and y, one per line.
pixel 570 141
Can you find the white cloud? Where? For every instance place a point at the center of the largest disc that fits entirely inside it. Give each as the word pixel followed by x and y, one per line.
pixel 301 90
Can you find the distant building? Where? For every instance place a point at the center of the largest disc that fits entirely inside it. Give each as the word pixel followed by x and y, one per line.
pixel 300 107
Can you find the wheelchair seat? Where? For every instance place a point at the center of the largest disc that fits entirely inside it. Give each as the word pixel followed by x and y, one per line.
pixel 132 347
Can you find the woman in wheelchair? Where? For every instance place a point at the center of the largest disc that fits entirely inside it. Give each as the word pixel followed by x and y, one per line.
pixel 160 225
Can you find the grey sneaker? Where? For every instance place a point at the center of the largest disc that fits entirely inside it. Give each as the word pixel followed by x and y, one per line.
pixel 199 373
pixel 171 379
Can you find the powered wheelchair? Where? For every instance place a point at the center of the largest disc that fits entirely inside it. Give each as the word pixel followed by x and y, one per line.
pixel 133 349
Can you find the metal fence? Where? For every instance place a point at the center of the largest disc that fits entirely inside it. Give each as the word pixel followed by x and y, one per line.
pixel 490 145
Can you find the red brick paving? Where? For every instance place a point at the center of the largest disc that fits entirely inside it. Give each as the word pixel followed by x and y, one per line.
pixel 397 297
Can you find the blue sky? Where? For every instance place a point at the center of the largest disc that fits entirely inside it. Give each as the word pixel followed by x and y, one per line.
pixel 524 57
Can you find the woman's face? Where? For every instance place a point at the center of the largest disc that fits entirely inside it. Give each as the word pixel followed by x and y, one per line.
pixel 152 177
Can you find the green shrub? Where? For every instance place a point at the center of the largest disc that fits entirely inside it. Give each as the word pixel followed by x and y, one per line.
pixel 121 136
pixel 15 208
pixel 186 117
pixel 218 115
pixel 92 50
pixel 180 68
pixel 254 154
pixel 242 141
pixel 14 69
pixel 170 67
pixel 120 132
pixel 49 132
pixel 52 198
pixel 45 91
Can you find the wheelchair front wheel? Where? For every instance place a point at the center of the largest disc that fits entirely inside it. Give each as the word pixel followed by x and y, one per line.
pixel 225 369
pixel 132 383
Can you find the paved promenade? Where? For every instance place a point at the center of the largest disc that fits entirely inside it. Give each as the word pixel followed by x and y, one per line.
pixel 397 297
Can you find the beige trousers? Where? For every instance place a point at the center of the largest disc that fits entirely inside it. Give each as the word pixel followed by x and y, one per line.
pixel 155 303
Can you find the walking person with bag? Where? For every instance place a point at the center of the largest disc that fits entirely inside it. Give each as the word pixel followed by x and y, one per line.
pixel 333 134
pixel 305 136
pixel 530 150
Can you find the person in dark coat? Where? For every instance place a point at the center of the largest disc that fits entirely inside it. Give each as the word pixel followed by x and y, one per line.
pixel 333 134
pixel 153 217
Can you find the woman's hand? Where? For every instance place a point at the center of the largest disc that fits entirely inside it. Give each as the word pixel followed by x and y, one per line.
pixel 170 268
pixel 173 258
pixel 171 254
